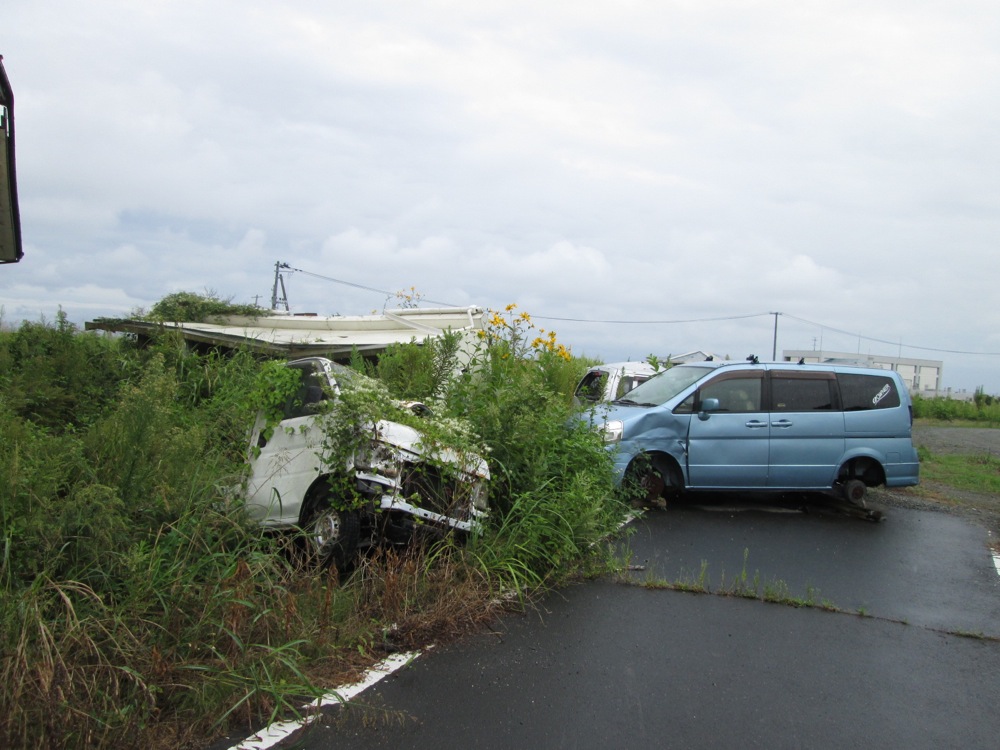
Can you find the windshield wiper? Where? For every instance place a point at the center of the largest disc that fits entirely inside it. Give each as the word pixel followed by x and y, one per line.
pixel 630 402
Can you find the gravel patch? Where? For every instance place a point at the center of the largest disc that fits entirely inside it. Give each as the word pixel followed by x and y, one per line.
pixel 970 440
pixel 978 507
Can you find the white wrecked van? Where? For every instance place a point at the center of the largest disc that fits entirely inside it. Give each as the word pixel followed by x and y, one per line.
pixel 390 486
pixel 611 380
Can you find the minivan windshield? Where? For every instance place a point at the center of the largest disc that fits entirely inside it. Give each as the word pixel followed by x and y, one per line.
pixel 664 386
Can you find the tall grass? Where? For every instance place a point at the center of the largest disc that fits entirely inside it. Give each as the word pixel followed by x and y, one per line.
pixel 983 409
pixel 139 607
pixel 135 595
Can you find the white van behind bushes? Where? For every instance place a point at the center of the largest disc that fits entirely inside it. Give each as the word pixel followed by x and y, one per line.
pixel 390 486
pixel 611 380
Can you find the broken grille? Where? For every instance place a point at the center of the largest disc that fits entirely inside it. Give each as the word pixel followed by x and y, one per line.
pixel 429 487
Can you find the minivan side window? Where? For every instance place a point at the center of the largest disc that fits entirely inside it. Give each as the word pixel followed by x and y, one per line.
pixel 737 392
pixel 802 391
pixel 687 405
pixel 863 392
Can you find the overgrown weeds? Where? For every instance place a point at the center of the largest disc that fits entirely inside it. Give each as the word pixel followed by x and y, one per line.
pixel 418 595
pixel 140 607
pixel 743 585
pixel 982 410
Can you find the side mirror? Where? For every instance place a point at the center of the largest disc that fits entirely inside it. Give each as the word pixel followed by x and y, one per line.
pixel 10 217
pixel 707 407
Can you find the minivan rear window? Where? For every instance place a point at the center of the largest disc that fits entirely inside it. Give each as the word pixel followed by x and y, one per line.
pixel 863 392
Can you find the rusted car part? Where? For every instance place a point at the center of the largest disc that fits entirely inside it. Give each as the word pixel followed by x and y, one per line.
pixel 10 217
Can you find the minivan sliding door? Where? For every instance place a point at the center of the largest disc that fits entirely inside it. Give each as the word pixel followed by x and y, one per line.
pixel 807 429
pixel 728 448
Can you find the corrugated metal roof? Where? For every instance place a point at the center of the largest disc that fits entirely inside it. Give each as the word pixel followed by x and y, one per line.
pixel 303 335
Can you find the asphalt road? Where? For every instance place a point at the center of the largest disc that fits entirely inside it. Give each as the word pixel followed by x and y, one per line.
pixel 616 663
pixel 928 569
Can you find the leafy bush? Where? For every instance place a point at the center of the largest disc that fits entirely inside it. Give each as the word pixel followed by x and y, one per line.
pixel 133 588
pixel 416 372
pixel 191 307
pixel 138 602
pixel 983 409
pixel 56 377
pixel 551 493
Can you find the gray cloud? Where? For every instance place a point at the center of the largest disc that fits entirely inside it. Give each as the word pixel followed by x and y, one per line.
pixel 605 161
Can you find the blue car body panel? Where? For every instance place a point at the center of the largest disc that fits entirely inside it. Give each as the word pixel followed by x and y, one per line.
pixel 773 426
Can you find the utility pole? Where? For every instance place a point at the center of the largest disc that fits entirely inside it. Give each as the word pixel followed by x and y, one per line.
pixel 774 346
pixel 279 280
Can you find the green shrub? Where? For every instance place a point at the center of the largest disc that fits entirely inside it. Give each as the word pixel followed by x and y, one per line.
pixel 57 377
pixel 551 491
pixel 136 597
pixel 199 308
pixel 418 372
pixel 982 409
pixel 134 592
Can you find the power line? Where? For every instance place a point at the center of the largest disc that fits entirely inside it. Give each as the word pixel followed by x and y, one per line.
pixel 670 322
pixel 535 317
pixel 362 286
pixel 651 322
pixel 886 341
pixel 758 315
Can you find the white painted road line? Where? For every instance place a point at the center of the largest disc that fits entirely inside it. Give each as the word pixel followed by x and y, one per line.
pixel 278 731
pixel 996 555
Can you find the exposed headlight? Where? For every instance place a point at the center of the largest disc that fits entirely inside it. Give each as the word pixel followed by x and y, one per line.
pixel 378 458
pixel 612 431
pixel 480 496
pixel 363 458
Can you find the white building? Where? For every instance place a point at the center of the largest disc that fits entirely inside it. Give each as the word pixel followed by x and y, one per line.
pixel 921 376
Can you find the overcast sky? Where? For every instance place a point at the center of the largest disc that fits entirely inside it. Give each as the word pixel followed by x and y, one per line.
pixel 617 165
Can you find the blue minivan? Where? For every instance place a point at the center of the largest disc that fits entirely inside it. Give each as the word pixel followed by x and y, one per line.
pixel 763 427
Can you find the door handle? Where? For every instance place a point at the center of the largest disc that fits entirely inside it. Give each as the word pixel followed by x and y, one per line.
pixel 782 423
pixel 754 424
